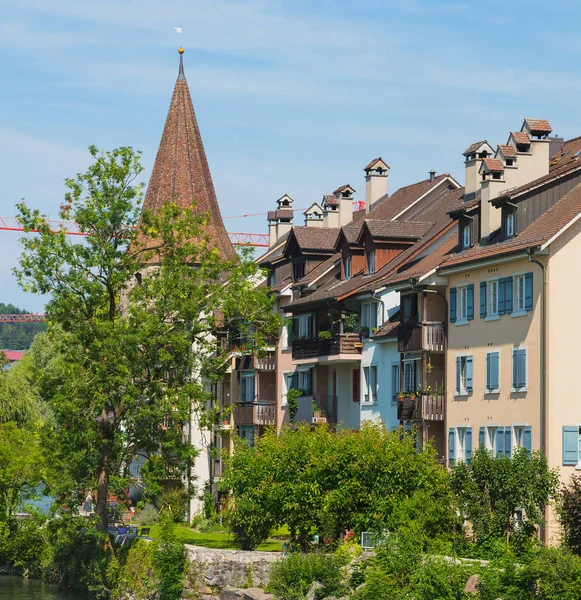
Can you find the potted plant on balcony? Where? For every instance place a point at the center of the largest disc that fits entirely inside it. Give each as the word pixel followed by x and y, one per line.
pixel 350 322
pixel 325 334
pixel 429 367
pixel 364 331
pixel 401 396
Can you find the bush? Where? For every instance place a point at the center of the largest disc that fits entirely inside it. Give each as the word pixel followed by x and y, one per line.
pixel 169 560
pixel 137 575
pixel 291 577
pixel 569 510
pixel 22 544
pixel 147 515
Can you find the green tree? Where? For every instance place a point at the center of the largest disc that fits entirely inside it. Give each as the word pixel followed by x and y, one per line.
pixel 504 497
pixel 133 313
pixel 17 336
pixel 569 510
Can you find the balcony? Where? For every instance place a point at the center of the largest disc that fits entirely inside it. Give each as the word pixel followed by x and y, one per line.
pixel 428 336
pixel 267 362
pixel 254 413
pixel 346 343
pixel 324 409
pixel 421 408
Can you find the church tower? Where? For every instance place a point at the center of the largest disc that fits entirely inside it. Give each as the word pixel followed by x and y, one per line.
pixel 181 172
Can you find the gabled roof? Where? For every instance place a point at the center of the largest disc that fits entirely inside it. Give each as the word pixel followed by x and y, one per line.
pixel 493 165
pixel 520 137
pixel 376 163
pixel 284 213
pixel 314 209
pixel 387 330
pixel 317 239
pixel 394 230
pixel 181 173
pixel 320 270
pixel 271 215
pixel 344 188
pixel 330 200
pixel 507 150
pixel 474 147
pixel 538 125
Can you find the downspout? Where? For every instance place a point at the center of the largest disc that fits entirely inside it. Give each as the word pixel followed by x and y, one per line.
pixel 543 377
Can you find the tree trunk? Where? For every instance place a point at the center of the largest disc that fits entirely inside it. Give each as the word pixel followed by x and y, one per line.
pixel 103 488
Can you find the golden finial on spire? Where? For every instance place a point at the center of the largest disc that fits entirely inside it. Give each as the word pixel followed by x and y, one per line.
pixel 181 50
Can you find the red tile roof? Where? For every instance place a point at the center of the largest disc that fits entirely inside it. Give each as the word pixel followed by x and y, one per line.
pixel 320 239
pixel 13 355
pixel 284 213
pixel 271 215
pixel 520 137
pixel 494 165
pixel 373 162
pixel 343 188
pixel 388 329
pixel 539 125
pixel 507 150
pixel 473 147
pixel 331 200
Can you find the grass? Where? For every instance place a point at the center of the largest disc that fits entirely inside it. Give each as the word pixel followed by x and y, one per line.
pixel 217 540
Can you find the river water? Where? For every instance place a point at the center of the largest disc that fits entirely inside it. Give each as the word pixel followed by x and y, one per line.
pixel 16 588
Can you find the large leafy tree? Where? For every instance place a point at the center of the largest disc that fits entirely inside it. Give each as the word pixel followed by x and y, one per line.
pixel 134 312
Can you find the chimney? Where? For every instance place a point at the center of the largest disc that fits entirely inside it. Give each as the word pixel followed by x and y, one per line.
pixel 280 221
pixel 432 175
pixel 272 223
pixel 376 173
pixel 314 216
pixel 473 156
pixel 331 204
pixel 491 185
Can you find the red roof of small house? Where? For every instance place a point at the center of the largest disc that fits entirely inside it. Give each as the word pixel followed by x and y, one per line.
pixel 13 355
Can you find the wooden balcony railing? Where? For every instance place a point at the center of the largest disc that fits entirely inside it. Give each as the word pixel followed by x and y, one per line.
pixel 267 362
pixel 421 408
pixel 254 413
pixel 324 409
pixel 346 343
pixel 427 336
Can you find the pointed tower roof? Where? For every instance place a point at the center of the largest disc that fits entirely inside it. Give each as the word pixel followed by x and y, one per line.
pixel 181 172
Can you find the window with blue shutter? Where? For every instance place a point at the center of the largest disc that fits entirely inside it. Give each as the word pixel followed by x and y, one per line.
pixel 458 374
pixel 519 369
pixel 453 295
pixel 570 445
pixel 527 441
pixel 468 443
pixel 501 297
pixel 470 302
pixel 451 440
pixel 492 371
pixel 529 291
pixel 500 437
pixel 508 295
pixel 469 373
pixel 483 299
pixel 482 437
pixel 508 441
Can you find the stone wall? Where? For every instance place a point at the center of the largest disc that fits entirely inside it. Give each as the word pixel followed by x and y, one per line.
pixel 218 568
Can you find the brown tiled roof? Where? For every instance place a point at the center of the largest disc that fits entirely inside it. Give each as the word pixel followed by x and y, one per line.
pixel 284 213
pixel 508 150
pixel 281 285
pixel 494 165
pixel 271 215
pixel 397 230
pixel 320 269
pixel 352 231
pixel 273 253
pixel 331 200
pixel 181 172
pixel 342 188
pixel 388 329
pixel 520 137
pixel 321 239
pixel 370 165
pixel 462 205
pixel 539 125
pixel 473 147
pixel 538 232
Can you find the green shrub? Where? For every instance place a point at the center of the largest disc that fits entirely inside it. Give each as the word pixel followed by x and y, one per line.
pixel 22 544
pixel 137 575
pixel 569 510
pixel 147 515
pixel 169 560
pixel 291 577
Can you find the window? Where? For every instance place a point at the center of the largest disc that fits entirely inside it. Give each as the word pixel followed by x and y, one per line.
pixel 247 386
pixel 371 261
pixel 496 176
pixel 572 445
pixel 409 305
pixel 501 440
pixel 466 236
pixel 370 382
pixel 464 374
pixel 369 316
pixel 298 270
pixel 520 293
pixel 509 162
pixel 459 445
pixel 509 226
pixel 287 330
pixel 395 383
pixel 493 298
pixel 518 436
pixel 287 384
pixel 492 372
pixel 410 375
pixel 462 304
pixel 303 326
pixel 301 379
pixel 492 439
pixel 347 267
pixel 519 370
pixel 247 433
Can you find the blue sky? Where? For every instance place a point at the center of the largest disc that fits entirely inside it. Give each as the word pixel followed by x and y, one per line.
pixel 292 96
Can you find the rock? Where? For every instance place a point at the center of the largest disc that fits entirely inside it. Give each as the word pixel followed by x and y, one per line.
pixel 208 597
pixel 471 586
pixel 204 589
pixel 232 593
pixel 313 590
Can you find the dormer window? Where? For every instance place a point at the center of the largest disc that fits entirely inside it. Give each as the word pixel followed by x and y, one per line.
pixel 496 176
pixel 467 236
pixel 298 270
pixel 347 267
pixel 371 262
pixel 509 224
pixel 509 162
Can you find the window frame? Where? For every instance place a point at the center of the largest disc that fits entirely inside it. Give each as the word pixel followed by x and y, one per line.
pixel 407 361
pixel 462 376
pixel 462 306
pixel 245 378
pixel 492 446
pixel 370 384
pixel 461 444
pixel 369 315
pixel 370 259
pixel 492 297
pixel 514 388
pixel 509 219
pixel 517 278
pixel 467 236
pixel 347 267
pixel 286 386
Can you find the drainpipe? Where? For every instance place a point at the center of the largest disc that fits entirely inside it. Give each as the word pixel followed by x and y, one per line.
pixel 543 377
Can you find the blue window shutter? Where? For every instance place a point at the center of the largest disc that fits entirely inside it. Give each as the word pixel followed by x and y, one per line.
pixel 528 439
pixel 488 379
pixel 483 299
pixel 470 302
pixel 508 295
pixel 451 440
pixel 514 368
pixel 501 295
pixel 453 295
pixel 468 442
pixel 469 372
pixel 529 291
pixel 570 445
pixel 243 390
pixel 500 441
pixel 508 441
pixel 252 390
pixel 458 370
pixel 522 368
pixel 494 383
pixel 308 385
pixel 482 437
pixel 295 381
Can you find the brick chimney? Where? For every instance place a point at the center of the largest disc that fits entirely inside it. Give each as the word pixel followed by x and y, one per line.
pixel 376 174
